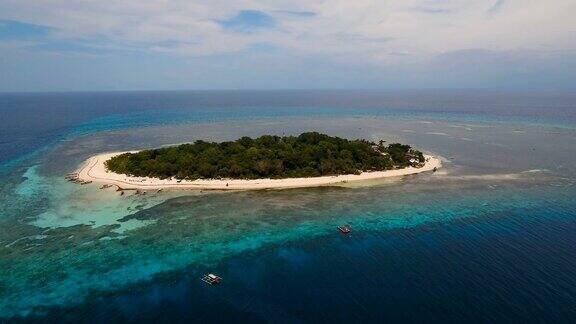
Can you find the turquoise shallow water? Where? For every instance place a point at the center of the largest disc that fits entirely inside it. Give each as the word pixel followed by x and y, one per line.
pixel 487 237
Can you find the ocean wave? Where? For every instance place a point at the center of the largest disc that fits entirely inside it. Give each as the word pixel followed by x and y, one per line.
pixel 437 133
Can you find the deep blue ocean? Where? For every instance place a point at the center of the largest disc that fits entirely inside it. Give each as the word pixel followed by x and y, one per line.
pixel 488 238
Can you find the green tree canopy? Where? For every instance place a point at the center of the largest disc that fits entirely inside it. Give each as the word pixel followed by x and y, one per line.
pixel 307 155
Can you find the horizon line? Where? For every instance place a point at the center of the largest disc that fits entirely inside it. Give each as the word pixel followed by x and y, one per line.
pixel 481 89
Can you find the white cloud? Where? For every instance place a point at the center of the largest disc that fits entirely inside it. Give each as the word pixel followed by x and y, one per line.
pixel 378 32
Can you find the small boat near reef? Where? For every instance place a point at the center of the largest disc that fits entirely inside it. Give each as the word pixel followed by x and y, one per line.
pixel 344 229
pixel 211 279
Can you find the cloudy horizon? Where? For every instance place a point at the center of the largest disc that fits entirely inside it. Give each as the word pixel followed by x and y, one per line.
pixel 141 45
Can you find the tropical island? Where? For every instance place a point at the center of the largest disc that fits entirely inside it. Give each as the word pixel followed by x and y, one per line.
pixel 309 159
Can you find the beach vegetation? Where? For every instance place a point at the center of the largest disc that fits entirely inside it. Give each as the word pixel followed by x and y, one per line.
pixel 307 155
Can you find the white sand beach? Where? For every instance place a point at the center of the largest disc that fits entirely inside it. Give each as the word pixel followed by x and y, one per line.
pixel 95 170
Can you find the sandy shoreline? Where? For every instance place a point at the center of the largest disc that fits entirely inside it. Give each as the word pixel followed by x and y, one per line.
pixel 94 170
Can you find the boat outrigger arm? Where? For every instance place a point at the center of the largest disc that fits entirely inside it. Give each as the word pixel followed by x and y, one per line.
pixel 344 229
pixel 211 279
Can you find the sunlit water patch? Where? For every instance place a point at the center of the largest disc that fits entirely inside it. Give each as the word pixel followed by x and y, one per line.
pixel 70 204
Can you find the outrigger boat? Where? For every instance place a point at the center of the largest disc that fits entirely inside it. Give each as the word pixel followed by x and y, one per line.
pixel 345 229
pixel 211 279
pixel 71 177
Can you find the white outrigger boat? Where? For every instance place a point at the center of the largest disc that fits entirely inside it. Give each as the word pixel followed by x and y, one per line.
pixel 211 279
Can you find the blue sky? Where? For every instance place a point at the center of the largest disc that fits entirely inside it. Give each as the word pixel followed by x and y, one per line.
pixel 291 44
pixel 246 21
